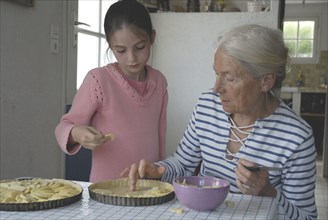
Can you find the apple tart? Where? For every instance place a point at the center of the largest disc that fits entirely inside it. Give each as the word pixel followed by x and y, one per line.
pixel 37 194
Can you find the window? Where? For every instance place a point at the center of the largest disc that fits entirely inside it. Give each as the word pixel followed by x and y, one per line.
pixel 300 36
pixel 92 45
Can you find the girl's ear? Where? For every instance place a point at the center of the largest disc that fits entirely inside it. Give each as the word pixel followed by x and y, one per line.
pixel 153 35
pixel 267 82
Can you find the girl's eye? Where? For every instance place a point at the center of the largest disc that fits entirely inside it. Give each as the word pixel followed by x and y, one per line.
pixel 141 47
pixel 120 51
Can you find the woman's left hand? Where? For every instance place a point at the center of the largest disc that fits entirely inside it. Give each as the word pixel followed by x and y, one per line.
pixel 254 183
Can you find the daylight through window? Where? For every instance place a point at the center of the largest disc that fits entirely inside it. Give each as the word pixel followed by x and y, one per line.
pixel 92 45
pixel 300 38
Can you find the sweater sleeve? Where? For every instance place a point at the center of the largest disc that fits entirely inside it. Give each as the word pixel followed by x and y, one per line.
pixel 163 126
pixel 85 103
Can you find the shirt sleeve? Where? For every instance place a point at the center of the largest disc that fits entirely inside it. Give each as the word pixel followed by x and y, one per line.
pixel 296 196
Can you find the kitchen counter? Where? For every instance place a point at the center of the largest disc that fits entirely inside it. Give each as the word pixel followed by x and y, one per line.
pixel 303 89
pixel 294 93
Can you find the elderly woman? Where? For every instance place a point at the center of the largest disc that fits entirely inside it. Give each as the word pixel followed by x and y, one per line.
pixel 243 123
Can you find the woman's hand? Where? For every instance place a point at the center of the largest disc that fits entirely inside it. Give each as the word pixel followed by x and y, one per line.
pixel 143 169
pixel 89 137
pixel 254 183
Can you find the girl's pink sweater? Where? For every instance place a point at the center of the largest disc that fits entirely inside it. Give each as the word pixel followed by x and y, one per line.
pixel 107 102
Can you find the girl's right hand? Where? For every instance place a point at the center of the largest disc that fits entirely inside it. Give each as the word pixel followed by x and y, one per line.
pixel 89 137
pixel 143 169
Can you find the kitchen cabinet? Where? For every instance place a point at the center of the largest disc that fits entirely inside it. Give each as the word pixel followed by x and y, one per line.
pixel 310 104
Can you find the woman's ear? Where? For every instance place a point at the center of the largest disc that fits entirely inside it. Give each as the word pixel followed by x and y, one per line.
pixel 153 35
pixel 267 82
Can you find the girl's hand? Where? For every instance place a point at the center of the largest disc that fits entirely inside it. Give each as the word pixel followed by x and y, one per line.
pixel 89 137
pixel 254 183
pixel 143 169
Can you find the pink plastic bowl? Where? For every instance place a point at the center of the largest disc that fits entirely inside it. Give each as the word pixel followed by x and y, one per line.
pixel 201 193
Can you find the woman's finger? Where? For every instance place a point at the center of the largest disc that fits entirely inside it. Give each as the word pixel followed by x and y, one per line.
pixel 243 174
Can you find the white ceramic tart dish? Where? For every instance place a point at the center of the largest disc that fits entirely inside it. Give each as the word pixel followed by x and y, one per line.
pixel 37 194
pixel 117 192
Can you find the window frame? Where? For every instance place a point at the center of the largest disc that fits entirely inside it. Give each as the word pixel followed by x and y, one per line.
pixel 101 39
pixel 316 41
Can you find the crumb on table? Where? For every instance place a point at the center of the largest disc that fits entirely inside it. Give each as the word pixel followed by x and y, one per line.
pixel 229 204
pixel 177 210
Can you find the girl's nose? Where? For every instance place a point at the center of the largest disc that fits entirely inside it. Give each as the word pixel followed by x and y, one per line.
pixel 131 56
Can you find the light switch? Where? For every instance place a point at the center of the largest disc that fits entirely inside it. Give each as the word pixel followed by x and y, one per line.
pixel 54 32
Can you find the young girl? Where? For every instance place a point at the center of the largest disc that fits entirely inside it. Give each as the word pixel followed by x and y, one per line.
pixel 119 112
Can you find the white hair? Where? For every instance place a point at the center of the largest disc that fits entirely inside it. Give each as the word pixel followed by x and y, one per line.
pixel 259 49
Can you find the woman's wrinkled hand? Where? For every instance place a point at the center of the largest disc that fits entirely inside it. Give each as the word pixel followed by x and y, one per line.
pixel 254 183
pixel 89 137
pixel 142 169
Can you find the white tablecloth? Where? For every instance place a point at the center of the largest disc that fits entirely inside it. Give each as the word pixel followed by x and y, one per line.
pixel 244 207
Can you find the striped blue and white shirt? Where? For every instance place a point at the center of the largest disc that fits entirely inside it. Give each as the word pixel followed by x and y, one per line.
pixel 282 139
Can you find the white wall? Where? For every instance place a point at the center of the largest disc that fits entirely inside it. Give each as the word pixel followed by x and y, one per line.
pixel 183 51
pixel 31 98
pixel 294 8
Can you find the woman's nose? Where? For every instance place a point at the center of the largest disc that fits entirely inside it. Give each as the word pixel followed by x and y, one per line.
pixel 218 87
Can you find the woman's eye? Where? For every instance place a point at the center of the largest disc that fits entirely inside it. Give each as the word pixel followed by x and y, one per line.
pixel 120 51
pixel 230 79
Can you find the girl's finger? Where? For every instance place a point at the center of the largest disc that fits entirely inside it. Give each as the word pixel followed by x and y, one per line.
pixel 133 176
pixel 141 168
pixel 110 136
